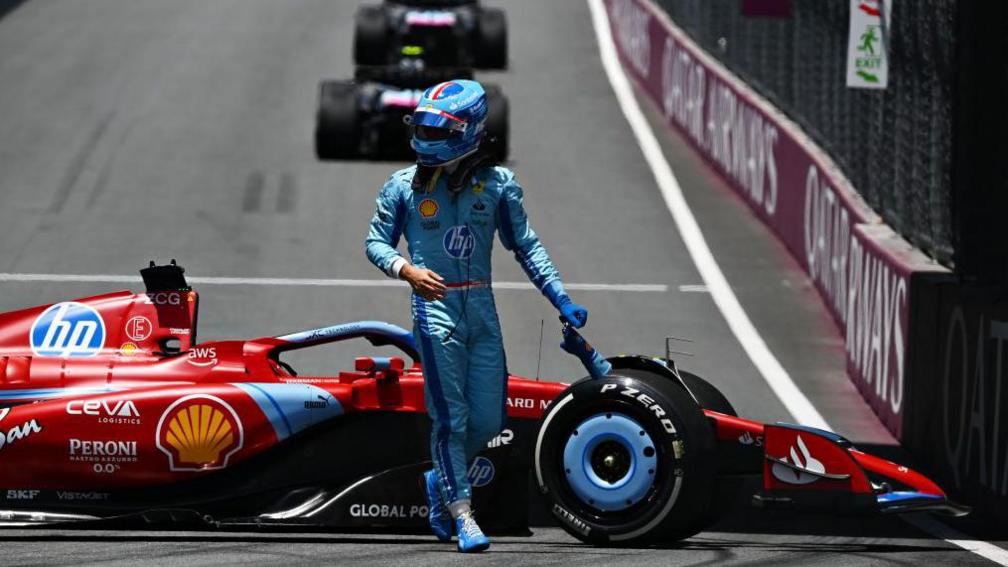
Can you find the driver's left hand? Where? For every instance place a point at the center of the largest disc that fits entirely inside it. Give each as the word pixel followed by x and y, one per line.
pixel 574 314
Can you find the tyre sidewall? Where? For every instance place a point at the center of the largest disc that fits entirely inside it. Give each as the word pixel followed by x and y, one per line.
pixel 491 39
pixel 370 36
pixel 681 437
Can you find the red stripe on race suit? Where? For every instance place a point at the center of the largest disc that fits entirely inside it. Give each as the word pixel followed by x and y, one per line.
pixel 468 284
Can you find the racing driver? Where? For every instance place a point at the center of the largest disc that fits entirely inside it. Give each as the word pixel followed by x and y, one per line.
pixel 448 207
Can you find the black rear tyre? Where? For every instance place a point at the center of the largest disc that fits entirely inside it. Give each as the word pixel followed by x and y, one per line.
pixel 491 39
pixel 337 123
pixel 370 36
pixel 595 428
pixel 498 124
pixel 707 394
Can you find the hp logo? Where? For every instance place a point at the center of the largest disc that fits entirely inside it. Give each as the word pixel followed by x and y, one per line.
pixel 481 472
pixel 66 330
pixel 459 241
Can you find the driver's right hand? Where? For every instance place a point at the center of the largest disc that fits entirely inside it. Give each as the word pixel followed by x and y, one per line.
pixel 428 284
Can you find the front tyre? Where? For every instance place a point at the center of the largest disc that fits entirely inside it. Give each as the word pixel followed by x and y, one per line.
pixel 337 122
pixel 626 460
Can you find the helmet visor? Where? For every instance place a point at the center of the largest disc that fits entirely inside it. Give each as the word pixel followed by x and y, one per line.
pixel 435 118
pixel 432 133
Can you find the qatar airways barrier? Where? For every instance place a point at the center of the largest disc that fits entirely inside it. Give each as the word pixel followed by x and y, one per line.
pixel 955 425
pixel 863 270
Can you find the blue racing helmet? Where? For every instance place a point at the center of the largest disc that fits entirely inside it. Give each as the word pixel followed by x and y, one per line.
pixel 448 122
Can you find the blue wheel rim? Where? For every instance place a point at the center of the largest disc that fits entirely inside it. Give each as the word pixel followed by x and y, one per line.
pixel 609 462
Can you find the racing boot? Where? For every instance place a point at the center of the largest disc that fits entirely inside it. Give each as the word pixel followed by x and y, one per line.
pixel 437 513
pixel 470 536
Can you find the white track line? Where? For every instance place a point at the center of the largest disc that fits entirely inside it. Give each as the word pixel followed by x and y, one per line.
pixel 769 367
pixel 929 525
pixel 776 377
pixel 310 282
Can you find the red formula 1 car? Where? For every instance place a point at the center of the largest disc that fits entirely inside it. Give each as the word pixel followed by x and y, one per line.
pixel 113 415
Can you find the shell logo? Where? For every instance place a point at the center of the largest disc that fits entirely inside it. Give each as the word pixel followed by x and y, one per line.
pixel 428 208
pixel 199 432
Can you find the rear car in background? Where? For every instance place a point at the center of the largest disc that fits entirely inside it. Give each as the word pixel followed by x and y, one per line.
pixel 444 33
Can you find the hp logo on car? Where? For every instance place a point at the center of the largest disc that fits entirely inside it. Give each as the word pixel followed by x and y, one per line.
pixel 481 472
pixel 68 329
pixel 459 241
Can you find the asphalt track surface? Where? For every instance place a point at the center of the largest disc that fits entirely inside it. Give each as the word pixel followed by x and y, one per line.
pixel 138 129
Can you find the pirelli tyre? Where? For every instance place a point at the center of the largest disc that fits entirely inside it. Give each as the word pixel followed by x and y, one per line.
pixel 337 122
pixel 726 486
pixel 371 32
pixel 498 122
pixel 491 39
pixel 626 461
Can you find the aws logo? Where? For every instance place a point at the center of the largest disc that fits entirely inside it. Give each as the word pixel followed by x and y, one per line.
pixel 202 356
pixel 199 432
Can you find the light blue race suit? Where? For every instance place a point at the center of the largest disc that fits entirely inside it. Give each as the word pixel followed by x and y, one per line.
pixel 460 339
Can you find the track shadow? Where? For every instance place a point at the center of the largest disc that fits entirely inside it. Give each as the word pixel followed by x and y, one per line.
pixel 698 543
pixel 7 6
pixel 210 537
pixel 748 520
pixel 742 518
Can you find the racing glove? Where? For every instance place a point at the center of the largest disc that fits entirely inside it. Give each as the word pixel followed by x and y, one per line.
pixel 574 314
pixel 570 312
